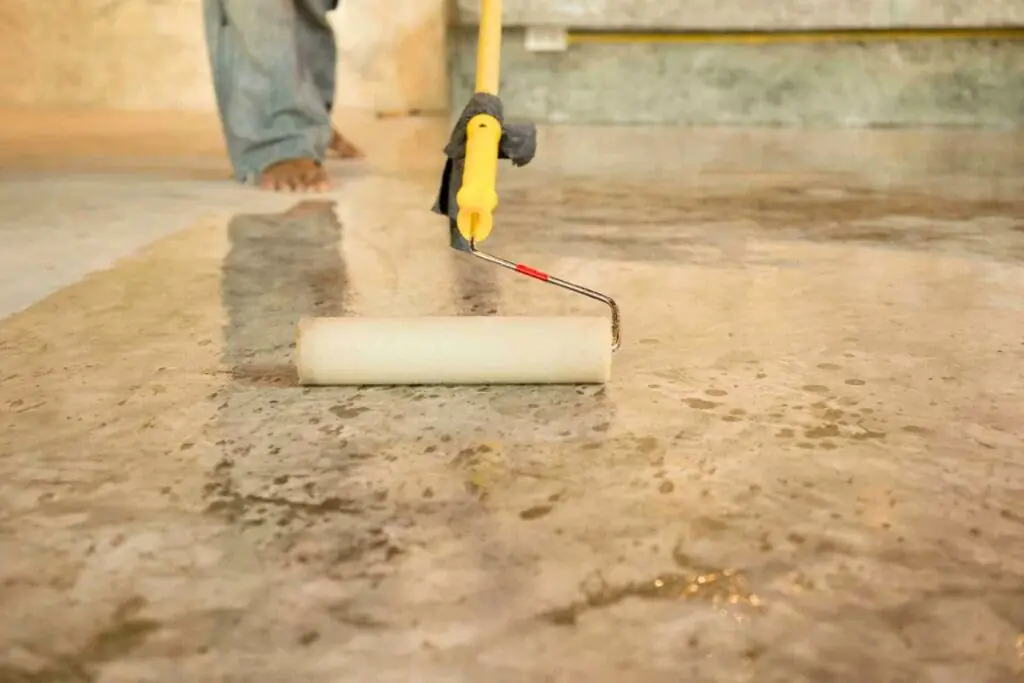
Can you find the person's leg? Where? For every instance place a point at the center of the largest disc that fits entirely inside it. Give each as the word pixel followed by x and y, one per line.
pixel 317 49
pixel 276 124
pixel 316 46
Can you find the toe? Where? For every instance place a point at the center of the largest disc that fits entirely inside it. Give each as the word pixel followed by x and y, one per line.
pixel 297 175
pixel 321 182
pixel 315 179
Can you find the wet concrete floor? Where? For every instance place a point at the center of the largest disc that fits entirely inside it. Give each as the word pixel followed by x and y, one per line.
pixel 808 466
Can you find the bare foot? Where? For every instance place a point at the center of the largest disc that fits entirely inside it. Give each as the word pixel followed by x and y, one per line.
pixel 295 175
pixel 340 146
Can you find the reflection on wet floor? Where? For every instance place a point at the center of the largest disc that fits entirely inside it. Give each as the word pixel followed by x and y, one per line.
pixel 628 222
pixel 278 267
pixel 808 465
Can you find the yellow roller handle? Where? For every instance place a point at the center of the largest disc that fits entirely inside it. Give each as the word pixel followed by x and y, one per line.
pixel 477 198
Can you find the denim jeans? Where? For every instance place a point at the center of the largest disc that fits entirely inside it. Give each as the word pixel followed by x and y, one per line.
pixel 273 65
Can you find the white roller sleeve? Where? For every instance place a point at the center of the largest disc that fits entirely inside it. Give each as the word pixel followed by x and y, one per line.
pixel 453 350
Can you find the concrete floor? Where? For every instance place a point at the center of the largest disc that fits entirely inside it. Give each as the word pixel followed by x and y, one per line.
pixel 809 464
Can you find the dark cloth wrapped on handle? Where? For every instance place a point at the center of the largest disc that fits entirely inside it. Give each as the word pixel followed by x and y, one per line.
pixel 518 144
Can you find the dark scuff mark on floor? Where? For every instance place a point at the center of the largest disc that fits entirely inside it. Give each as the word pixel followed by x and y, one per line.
pixel 719 587
pixel 125 633
pixel 233 505
pixel 536 512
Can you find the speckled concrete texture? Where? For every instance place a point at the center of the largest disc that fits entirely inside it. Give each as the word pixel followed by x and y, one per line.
pixel 946 83
pixel 751 14
pixel 808 466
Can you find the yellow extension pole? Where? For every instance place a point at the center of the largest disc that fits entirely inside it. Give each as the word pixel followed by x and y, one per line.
pixel 477 198
pixel 488 49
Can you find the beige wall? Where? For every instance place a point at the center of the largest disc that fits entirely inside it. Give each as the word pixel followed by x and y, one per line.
pixel 150 54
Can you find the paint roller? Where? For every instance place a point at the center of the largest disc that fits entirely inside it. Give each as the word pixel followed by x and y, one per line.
pixel 465 349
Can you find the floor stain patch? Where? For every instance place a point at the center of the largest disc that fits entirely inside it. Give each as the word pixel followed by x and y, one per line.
pixel 701 404
pixel 535 512
pixel 725 587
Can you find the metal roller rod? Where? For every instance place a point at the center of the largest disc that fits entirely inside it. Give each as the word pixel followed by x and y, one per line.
pixel 558 282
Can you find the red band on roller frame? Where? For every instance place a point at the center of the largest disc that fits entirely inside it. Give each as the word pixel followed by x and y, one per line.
pixel 532 272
